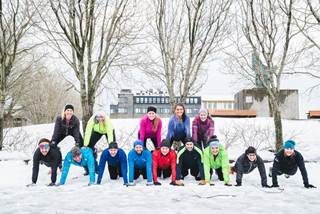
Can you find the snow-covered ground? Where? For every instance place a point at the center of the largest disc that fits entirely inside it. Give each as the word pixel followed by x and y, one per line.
pixel 113 197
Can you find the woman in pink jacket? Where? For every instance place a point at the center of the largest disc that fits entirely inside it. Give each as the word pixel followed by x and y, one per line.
pixel 150 127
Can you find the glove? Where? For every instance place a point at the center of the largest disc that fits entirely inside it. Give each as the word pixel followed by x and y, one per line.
pixel 51 184
pixel 30 185
pixel 238 184
pixel 53 144
pixel 275 185
pixel 228 185
pixel 149 183
pixel 211 184
pixel 157 183
pixel 309 186
pixel 266 186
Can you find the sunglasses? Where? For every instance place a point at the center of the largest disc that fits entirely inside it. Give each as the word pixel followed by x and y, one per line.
pixel 44 146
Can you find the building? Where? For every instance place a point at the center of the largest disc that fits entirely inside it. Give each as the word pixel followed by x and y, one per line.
pixel 257 99
pixel 218 102
pixel 313 114
pixel 135 106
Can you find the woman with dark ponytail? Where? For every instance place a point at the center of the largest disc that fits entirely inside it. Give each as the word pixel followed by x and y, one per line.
pixel 150 127
pixel 179 126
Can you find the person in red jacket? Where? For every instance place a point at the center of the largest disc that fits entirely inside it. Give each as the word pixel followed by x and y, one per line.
pixel 164 162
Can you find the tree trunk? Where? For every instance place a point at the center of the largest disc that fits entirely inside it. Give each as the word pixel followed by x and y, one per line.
pixel 1 123
pixel 278 128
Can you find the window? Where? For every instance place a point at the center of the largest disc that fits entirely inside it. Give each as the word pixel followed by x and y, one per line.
pixel 196 100
pixel 158 99
pixel 167 111
pixel 123 110
pixel 137 100
pixel 191 100
pixel 150 99
pixel 229 105
pixel 167 100
pixel 162 99
pixel 188 111
pixel 214 106
pixel 144 110
pixel 123 99
pixel 154 100
pixel 187 101
pixel 112 111
pixel 146 100
pixel 138 110
pixel 249 99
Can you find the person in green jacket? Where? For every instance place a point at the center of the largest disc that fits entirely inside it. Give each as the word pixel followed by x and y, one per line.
pixel 98 125
pixel 216 157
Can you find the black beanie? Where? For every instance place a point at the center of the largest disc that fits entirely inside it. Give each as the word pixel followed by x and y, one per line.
pixel 68 106
pixel 113 145
pixel 250 150
pixel 152 108
pixel 165 143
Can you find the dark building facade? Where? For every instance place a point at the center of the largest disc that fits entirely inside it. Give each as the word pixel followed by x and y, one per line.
pixel 135 106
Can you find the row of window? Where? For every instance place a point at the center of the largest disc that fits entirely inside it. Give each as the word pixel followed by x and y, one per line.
pixel 165 111
pixel 219 105
pixel 164 100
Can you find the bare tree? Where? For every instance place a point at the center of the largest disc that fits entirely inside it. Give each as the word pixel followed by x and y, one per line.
pixel 15 23
pixel 92 37
pixel 265 34
pixel 184 35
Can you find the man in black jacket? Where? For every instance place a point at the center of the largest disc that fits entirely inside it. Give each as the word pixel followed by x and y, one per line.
pixel 287 161
pixel 50 157
pixel 190 157
pixel 67 124
pixel 246 163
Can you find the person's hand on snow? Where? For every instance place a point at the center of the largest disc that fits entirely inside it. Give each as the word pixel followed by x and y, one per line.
pixel 309 186
pixel 30 185
pixel 157 183
pixel 275 185
pixel 149 183
pixel 266 186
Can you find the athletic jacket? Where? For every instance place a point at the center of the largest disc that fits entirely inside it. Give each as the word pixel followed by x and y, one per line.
pixel 221 160
pixel 177 128
pixel 86 161
pixel 163 162
pixel 119 159
pixel 202 130
pixel 146 129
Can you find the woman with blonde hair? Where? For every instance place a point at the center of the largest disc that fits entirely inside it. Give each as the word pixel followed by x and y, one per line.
pixel 65 125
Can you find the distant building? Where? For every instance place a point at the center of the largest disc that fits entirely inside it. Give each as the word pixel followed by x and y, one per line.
pixel 257 99
pixel 218 102
pixel 135 106
pixel 313 114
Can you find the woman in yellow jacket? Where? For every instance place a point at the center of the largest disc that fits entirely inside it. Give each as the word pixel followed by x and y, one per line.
pixel 98 125
pixel 216 157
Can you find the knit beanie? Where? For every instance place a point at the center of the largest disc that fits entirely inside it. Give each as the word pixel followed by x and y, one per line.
pixel 250 150
pixel 165 143
pixel 214 142
pixel 68 106
pixel 152 108
pixel 289 144
pixel 204 110
pixel 137 142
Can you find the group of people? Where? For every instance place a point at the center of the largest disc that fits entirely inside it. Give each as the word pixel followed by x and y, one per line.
pixel 195 150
